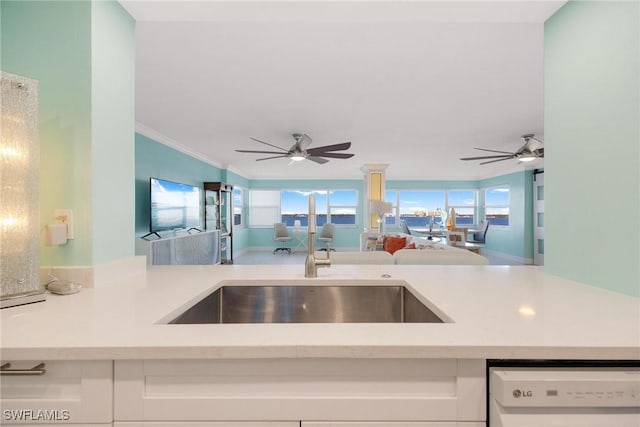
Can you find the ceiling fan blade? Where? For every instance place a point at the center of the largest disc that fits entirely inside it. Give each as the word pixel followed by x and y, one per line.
pixel 274 157
pixel 271 145
pixel 335 155
pixel 258 152
pixel 493 151
pixel 493 161
pixel 334 147
pixel 510 156
pixel 318 160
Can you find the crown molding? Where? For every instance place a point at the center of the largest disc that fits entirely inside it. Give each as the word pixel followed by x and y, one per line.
pixel 172 143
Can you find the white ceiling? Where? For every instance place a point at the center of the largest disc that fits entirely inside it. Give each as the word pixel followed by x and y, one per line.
pixel 415 84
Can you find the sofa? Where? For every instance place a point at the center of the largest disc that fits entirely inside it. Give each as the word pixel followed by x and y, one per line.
pixel 422 252
pixel 438 254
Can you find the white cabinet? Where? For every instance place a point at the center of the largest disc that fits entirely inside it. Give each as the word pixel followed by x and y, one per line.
pixel 391 424
pixel 301 389
pixel 78 392
pixel 189 249
pixel 210 424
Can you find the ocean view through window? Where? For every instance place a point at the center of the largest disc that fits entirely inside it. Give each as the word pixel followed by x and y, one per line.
pixel 338 207
pixel 417 207
pixel 496 205
pixel 238 207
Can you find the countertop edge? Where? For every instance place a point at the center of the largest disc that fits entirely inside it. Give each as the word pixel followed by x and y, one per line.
pixel 321 352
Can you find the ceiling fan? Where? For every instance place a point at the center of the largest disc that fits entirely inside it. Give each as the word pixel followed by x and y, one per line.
pixel 299 150
pixel 531 150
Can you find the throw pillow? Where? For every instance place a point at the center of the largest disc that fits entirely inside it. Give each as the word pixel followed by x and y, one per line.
pixel 410 246
pixel 392 244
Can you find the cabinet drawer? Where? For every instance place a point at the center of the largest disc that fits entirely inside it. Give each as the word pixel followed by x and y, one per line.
pixel 209 424
pixel 300 389
pixel 392 424
pixel 39 424
pixel 72 392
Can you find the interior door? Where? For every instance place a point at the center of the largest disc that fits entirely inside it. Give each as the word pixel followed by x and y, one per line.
pixel 538 218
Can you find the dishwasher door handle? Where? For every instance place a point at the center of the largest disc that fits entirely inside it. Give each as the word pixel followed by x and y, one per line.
pixel 36 370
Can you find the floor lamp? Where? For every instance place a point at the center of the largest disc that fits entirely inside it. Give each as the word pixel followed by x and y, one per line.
pixel 380 208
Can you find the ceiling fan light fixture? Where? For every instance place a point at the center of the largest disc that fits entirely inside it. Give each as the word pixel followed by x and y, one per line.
pixel 531 150
pixel 298 151
pixel 528 157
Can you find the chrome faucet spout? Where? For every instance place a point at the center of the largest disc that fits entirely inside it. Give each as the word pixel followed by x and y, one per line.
pixel 312 263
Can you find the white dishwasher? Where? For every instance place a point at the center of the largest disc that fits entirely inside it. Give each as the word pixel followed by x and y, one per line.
pixel 538 396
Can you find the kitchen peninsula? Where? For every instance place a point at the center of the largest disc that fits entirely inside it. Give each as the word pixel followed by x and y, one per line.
pixel 490 312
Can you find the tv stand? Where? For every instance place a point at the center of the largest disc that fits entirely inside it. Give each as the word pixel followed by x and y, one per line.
pixel 188 249
pixel 149 234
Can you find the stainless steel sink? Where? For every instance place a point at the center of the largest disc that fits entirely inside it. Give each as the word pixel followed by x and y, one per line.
pixel 308 304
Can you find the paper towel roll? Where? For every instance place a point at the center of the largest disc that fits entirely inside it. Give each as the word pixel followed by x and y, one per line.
pixel 56 234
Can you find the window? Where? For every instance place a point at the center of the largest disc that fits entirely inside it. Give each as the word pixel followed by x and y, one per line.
pixel 343 207
pixel 264 208
pixel 294 206
pixel 391 196
pixel 496 205
pixel 336 206
pixel 464 203
pixel 238 207
pixel 414 206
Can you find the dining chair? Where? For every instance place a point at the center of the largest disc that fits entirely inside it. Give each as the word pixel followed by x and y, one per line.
pixel 480 235
pixel 281 235
pixel 405 227
pixel 326 235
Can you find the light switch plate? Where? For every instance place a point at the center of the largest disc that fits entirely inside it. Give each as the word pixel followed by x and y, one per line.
pixel 65 216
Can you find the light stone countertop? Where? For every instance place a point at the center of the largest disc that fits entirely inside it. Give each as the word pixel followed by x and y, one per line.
pixel 497 312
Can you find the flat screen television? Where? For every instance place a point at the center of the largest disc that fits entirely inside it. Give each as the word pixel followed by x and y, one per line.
pixel 173 205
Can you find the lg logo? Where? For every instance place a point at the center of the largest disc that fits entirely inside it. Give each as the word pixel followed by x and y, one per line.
pixel 522 393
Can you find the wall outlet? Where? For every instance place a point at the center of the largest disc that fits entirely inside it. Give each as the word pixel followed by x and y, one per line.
pixel 65 216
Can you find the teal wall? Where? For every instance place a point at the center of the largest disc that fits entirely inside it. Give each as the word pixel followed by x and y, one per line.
pixel 516 239
pixel 112 148
pixel 153 159
pixel 51 42
pixel 592 149
pixel 54 42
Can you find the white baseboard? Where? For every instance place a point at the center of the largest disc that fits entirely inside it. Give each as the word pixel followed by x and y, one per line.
pixel 507 257
pixel 240 252
pixel 97 275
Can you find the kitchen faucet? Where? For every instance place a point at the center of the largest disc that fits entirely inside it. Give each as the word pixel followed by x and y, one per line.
pixel 312 263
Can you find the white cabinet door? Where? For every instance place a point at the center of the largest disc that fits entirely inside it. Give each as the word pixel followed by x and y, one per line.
pixel 209 424
pixel 61 423
pixel 300 389
pixel 68 392
pixel 391 424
